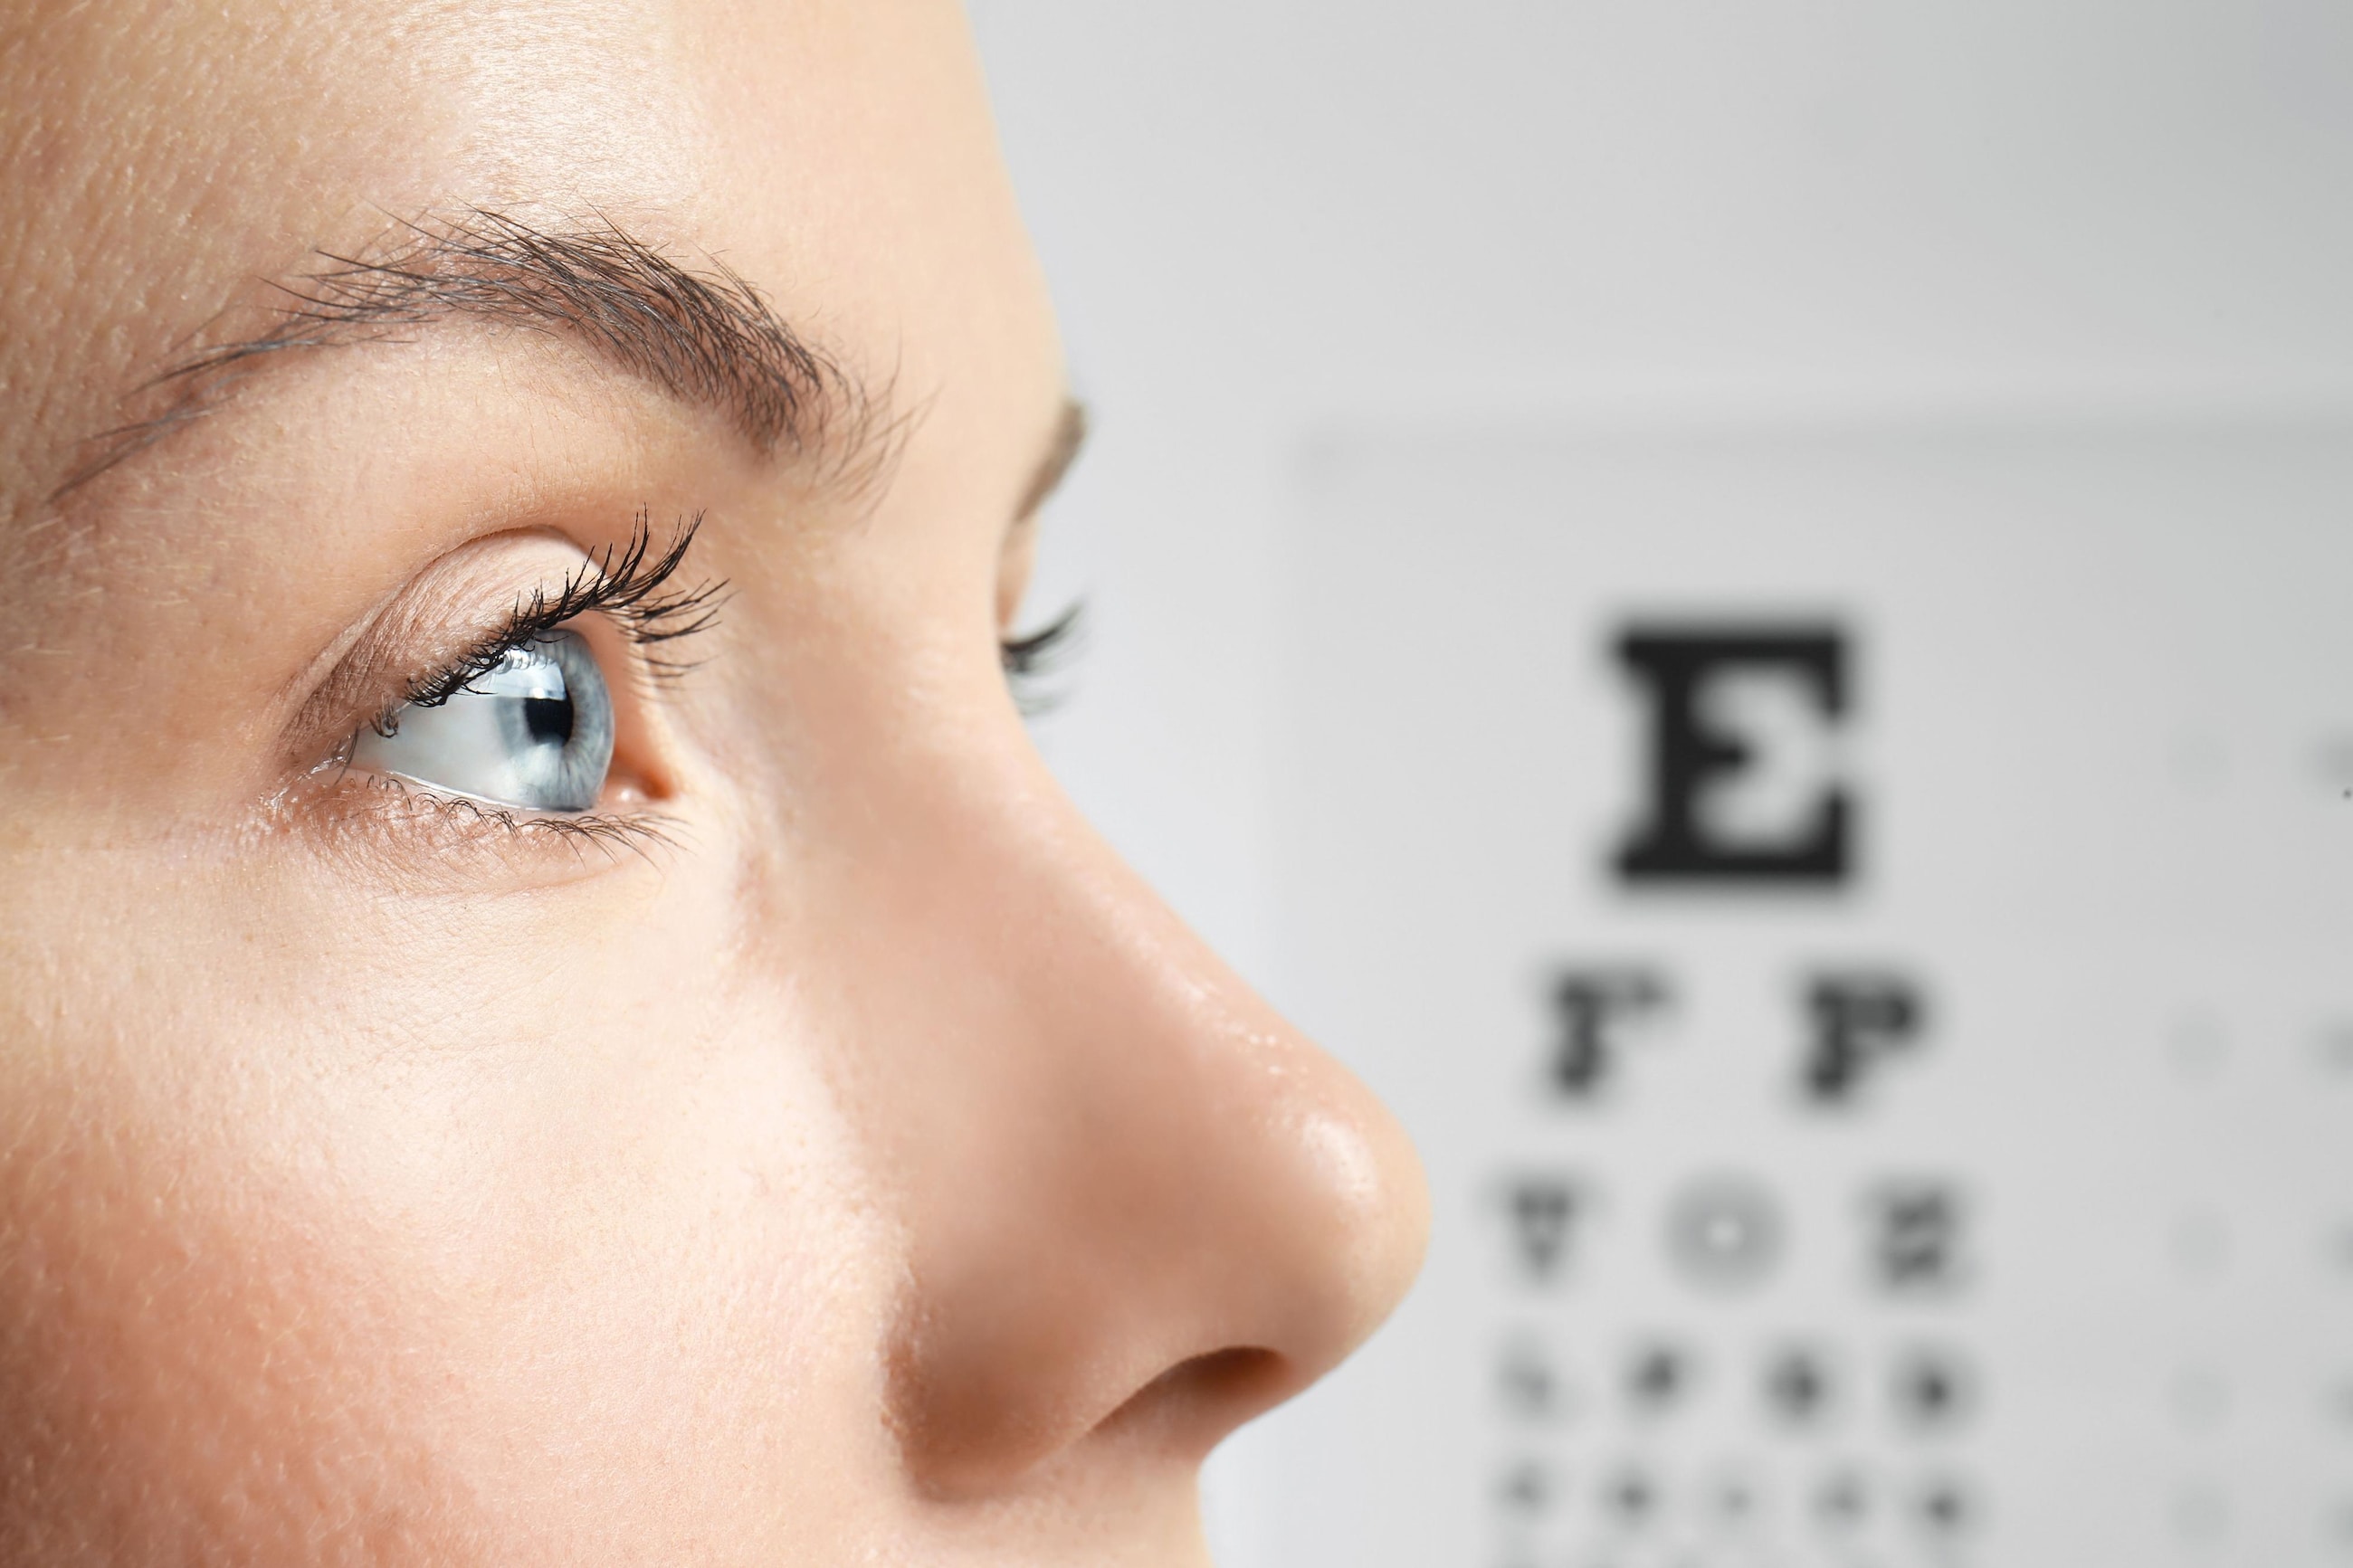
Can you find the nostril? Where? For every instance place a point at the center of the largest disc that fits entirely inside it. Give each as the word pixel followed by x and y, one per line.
pixel 1194 1403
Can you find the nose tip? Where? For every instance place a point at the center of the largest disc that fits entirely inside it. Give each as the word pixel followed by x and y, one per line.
pixel 1154 1210
pixel 1382 1197
pixel 1364 1220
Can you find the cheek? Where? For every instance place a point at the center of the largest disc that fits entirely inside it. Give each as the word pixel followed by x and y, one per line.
pixel 564 1239
pixel 191 1359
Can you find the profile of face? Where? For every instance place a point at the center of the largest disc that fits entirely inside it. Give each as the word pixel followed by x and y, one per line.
pixel 549 1011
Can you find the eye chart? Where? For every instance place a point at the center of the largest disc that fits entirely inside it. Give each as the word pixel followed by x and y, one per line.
pixel 1860 925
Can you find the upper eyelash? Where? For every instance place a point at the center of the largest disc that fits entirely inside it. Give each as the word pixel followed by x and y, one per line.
pixel 622 583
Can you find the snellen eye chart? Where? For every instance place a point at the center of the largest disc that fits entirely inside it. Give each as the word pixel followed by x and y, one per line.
pixel 1859 922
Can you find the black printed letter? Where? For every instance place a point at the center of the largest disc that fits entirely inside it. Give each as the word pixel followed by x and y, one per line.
pixel 1687 756
pixel 1860 1020
pixel 1589 1004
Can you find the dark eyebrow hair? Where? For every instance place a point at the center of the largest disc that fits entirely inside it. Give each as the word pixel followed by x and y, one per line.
pixel 709 338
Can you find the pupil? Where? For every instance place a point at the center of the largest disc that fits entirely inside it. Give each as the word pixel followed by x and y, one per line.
pixel 548 719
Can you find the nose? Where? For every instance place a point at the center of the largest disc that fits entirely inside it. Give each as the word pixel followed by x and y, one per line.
pixel 1138 1207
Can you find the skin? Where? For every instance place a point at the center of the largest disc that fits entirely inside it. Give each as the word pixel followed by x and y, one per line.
pixel 866 1170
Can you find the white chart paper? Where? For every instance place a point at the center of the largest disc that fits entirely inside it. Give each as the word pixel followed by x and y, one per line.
pixel 1861 923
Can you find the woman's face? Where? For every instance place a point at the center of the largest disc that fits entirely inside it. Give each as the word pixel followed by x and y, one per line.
pixel 507 1056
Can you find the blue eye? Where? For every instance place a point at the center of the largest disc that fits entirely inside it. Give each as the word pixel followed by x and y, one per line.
pixel 535 731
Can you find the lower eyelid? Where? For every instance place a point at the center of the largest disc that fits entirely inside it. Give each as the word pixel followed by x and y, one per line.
pixel 389 829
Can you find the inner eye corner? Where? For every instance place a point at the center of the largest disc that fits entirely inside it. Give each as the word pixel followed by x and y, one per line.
pixel 634 782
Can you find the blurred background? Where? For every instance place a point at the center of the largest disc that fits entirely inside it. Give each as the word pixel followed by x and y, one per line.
pixel 1744 606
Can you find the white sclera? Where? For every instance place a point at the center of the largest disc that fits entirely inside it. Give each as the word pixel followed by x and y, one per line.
pixel 534 731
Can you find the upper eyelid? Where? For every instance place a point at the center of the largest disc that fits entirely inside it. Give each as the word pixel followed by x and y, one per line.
pixel 621 581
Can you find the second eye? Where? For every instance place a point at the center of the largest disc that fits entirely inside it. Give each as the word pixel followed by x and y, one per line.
pixel 534 732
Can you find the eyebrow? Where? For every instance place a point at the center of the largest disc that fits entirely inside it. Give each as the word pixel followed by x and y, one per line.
pixel 709 339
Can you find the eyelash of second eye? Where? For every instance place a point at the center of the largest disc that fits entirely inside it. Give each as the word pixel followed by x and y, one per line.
pixel 1027 660
pixel 625 583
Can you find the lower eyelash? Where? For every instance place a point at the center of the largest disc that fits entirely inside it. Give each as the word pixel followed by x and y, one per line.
pixel 378 806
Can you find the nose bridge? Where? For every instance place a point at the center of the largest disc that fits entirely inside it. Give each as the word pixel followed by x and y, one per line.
pixel 1126 1184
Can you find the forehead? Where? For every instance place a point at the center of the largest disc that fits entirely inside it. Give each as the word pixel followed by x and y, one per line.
pixel 164 161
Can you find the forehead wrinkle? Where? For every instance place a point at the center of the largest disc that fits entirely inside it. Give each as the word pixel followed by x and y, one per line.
pixel 708 339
